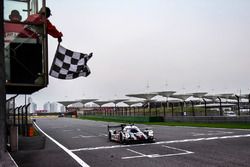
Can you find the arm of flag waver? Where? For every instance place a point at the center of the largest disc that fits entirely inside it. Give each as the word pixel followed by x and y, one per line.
pixel 68 64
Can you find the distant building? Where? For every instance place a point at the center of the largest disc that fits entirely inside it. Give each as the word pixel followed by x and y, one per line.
pixel 62 108
pixel 33 106
pixel 53 107
pixel 46 106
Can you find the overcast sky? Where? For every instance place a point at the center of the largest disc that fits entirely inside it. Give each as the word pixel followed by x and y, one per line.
pixel 145 46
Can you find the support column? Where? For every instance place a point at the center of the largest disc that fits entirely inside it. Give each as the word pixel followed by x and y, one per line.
pixel 172 106
pixel 3 134
pixel 221 113
pixel 238 104
pixel 205 104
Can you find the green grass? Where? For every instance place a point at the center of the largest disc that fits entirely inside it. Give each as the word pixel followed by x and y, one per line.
pixel 210 125
pixel 192 124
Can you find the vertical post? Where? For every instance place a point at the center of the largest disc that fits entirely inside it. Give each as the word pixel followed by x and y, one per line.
pixel 220 106
pixel 45 49
pixel 144 112
pixel 149 107
pixel 172 109
pixel 14 110
pixel 156 111
pixel 18 118
pixel 114 110
pixel 205 103
pixel 3 135
pixel 182 108
pixel 249 101
pixel 22 112
pixel 192 103
pixel 164 109
pixel 26 119
pixel 238 104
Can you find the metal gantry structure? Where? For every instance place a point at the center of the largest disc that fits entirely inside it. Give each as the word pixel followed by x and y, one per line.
pixel 148 100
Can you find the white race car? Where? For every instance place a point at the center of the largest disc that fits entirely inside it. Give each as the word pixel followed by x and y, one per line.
pixel 129 133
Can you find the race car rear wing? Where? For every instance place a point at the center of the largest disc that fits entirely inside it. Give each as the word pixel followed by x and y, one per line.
pixel 118 126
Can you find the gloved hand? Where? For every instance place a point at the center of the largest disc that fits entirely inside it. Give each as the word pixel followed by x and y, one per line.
pixel 59 39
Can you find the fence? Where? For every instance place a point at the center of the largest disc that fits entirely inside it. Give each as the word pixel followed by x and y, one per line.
pixel 172 110
pixel 17 122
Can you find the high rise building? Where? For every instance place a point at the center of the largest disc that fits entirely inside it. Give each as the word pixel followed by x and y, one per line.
pixel 46 106
pixel 53 107
pixel 33 106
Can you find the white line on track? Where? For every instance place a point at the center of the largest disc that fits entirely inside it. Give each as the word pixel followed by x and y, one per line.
pixel 136 152
pixel 74 156
pixel 161 142
pixel 211 133
pixel 82 136
pixel 12 160
pixel 141 155
pixel 173 148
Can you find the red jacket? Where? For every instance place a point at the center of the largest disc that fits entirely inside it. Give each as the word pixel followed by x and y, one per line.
pixel 51 29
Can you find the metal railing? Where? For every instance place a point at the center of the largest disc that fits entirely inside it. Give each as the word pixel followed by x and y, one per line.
pixel 17 116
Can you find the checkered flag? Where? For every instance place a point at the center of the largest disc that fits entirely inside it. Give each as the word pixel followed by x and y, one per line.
pixel 69 65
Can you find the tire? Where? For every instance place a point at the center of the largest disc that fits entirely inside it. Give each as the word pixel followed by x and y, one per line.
pixel 121 139
pixel 152 140
pixel 109 136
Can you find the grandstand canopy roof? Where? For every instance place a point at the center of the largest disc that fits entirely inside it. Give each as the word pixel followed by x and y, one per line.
pixel 209 96
pixel 199 94
pixel 166 93
pixel 116 101
pixel 130 103
pixel 66 103
pixel 84 101
pixel 100 103
pixel 225 95
pixel 147 96
pixel 181 96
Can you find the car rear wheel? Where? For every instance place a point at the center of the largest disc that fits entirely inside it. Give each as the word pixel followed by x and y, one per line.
pixel 109 136
pixel 121 138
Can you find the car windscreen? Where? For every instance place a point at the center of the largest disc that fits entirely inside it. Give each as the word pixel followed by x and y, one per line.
pixel 133 130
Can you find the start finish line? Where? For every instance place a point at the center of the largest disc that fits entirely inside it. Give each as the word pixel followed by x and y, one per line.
pixel 161 142
pixel 141 155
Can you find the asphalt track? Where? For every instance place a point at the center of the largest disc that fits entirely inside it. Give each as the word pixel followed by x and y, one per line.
pixel 74 142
